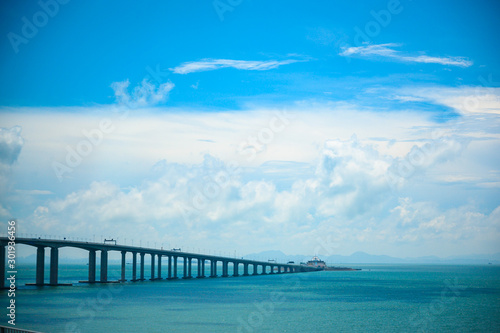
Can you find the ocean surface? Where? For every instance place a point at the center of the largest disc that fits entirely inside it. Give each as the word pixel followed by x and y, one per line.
pixel 380 298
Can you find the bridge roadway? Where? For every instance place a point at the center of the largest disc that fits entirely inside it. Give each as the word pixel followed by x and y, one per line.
pixel 156 257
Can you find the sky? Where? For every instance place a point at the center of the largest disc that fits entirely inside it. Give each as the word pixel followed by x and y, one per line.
pixel 320 127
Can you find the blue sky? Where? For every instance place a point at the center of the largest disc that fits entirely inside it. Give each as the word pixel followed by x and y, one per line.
pixel 318 128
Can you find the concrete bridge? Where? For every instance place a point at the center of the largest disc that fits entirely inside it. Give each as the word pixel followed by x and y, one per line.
pixel 155 256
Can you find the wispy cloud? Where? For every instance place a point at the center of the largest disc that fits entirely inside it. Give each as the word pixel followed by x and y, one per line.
pixel 388 51
pixel 213 64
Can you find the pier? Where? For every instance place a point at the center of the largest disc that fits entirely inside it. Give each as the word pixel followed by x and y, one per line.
pixel 190 262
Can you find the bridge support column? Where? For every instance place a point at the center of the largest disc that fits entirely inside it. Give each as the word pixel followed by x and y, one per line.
pixel 40 265
pixel 142 254
pixel 201 267
pixel 159 266
pixel 104 266
pixel 152 266
pixel 224 268
pixel 175 268
pixel 255 266
pixel 169 267
pixel 91 266
pixel 264 267
pixel 198 268
pixel 184 268
pixel 245 269
pixel 124 253
pixel 2 266
pixel 190 276
pixel 235 269
pixel 272 270
pixel 134 266
pixel 213 268
pixel 54 265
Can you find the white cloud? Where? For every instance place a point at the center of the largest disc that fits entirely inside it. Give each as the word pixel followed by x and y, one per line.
pixel 468 100
pixel 213 64
pixel 11 143
pixel 143 95
pixel 234 209
pixel 312 180
pixel 387 51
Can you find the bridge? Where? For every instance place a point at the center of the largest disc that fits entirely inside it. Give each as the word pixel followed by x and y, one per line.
pixel 155 256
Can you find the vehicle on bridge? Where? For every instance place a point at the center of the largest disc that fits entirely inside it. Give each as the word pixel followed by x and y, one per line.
pixel 110 241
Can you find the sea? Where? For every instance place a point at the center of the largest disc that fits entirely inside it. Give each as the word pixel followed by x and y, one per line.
pixel 378 298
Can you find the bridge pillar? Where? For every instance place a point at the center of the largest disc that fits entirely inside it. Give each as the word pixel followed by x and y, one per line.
pixel 91 266
pixel 198 268
pixel 189 268
pixel 159 266
pixel 152 266
pixel 40 265
pixel 124 253
pixel 142 254
pixel 175 268
pixel 255 266
pixel 215 268
pixel 224 268
pixel 134 266
pixel 104 266
pixel 184 268
pixel 201 267
pixel 235 268
pixel 264 267
pixel 272 269
pixel 2 266
pixel 169 267
pixel 54 263
pixel 245 269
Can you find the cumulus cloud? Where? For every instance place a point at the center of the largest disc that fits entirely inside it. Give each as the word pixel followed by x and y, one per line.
pixel 213 64
pixel 144 94
pixel 423 157
pixel 227 206
pixel 388 51
pixel 349 182
pixel 11 143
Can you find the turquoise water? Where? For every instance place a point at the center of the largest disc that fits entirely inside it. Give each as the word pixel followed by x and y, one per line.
pixel 380 298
